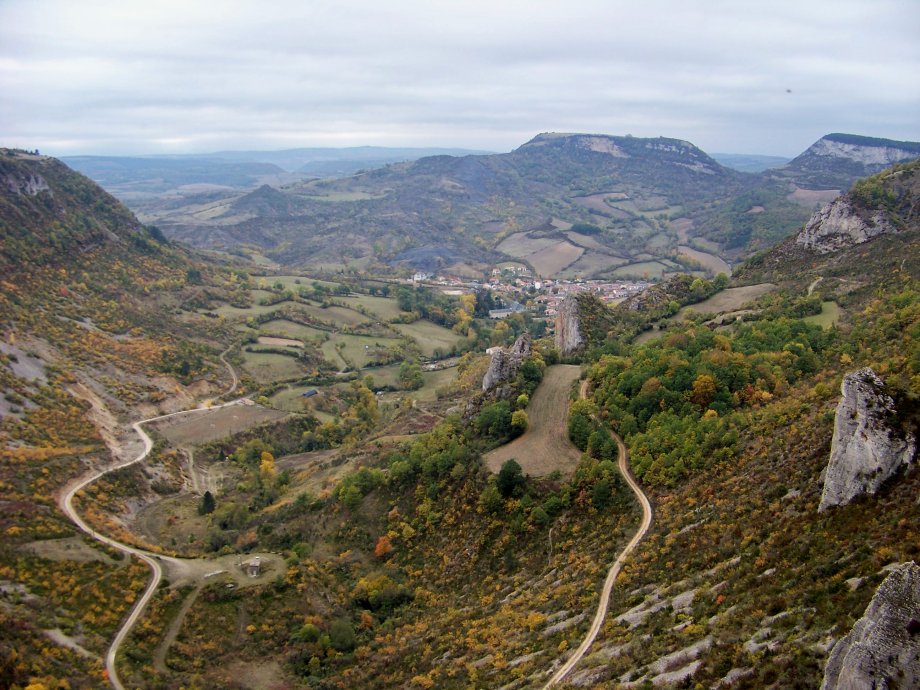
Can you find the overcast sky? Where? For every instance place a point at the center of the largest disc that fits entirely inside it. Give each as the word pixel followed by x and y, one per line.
pixel 156 76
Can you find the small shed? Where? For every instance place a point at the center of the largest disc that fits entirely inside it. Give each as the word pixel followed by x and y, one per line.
pixel 253 566
pixel 310 393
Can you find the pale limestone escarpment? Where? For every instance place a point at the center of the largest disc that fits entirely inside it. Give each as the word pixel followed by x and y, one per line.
pixel 505 363
pixel 838 225
pixel 867 447
pixel 568 327
pixel 861 153
pixel 882 651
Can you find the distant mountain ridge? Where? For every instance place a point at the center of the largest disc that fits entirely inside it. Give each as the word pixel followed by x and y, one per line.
pixel 565 204
pixel 127 175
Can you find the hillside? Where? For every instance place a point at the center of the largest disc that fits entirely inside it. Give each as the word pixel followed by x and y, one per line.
pixel 465 213
pixel 88 337
pixel 390 556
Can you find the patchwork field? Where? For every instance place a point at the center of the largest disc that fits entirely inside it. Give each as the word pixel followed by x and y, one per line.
pixel 266 367
pixel 644 269
pixel 713 264
pixel 383 307
pixel 520 244
pixel 727 300
pixel 200 427
pixel 429 336
pixel 283 327
pixel 550 260
pixel 279 342
pixel 592 264
pixel 357 350
pixel 544 447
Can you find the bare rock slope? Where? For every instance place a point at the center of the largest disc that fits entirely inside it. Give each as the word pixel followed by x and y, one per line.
pixel 868 447
pixel 882 651
pixel 838 225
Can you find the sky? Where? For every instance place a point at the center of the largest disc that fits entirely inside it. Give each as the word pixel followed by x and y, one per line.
pixel 736 76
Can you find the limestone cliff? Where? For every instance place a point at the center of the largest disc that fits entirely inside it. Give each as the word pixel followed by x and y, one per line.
pixel 839 225
pixel 569 335
pixel 882 651
pixel 505 363
pixel 867 447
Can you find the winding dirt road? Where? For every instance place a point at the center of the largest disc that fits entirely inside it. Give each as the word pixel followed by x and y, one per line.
pixel 153 560
pixel 615 568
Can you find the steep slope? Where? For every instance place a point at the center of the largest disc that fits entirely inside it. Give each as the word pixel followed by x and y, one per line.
pixel 88 336
pixel 47 213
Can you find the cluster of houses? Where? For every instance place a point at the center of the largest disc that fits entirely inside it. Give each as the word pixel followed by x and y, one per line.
pixel 510 280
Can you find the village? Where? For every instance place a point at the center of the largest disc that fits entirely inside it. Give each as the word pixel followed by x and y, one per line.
pixel 516 289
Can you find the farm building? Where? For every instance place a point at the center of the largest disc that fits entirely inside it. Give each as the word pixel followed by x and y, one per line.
pixel 253 566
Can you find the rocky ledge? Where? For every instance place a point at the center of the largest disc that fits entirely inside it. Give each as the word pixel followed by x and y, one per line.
pixel 882 651
pixel 868 446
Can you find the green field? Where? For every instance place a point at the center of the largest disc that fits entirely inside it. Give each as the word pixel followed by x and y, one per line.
pixel 384 376
pixel 650 269
pixel 289 329
pixel 433 381
pixel 383 307
pixel 337 315
pixel 357 349
pixel 290 399
pixel 829 316
pixel 429 336
pixel 267 367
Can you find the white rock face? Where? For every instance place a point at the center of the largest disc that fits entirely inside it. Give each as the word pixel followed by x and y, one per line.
pixel 882 651
pixel 837 225
pixel 568 327
pixel 504 364
pixel 867 155
pixel 29 185
pixel 867 448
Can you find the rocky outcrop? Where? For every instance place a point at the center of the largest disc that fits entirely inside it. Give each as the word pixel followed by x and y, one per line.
pixel 569 335
pixel 30 184
pixel 505 363
pixel 839 225
pixel 882 651
pixel 868 447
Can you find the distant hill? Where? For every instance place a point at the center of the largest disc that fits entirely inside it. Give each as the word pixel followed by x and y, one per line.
pixel 125 175
pixel 128 176
pixel 749 162
pixel 564 204
pixel 835 161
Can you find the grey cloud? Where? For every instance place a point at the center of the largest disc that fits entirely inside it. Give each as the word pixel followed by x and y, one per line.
pixel 106 76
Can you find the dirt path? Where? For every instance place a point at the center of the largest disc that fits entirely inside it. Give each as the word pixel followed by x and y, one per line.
pixel 545 445
pixel 814 284
pixel 614 571
pixel 155 561
pixel 159 657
